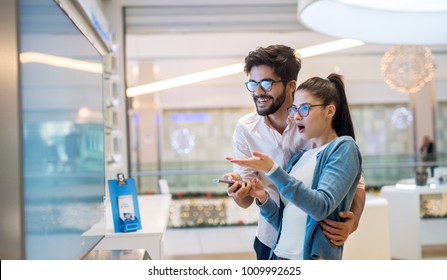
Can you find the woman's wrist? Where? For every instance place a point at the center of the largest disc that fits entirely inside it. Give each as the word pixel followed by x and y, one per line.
pixel 272 169
pixel 263 197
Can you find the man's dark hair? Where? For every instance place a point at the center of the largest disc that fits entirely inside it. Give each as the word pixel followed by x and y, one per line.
pixel 284 61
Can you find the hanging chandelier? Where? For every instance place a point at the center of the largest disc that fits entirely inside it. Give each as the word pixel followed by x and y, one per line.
pixel 407 68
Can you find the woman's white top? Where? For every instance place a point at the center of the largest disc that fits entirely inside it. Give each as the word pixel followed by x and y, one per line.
pixel 291 240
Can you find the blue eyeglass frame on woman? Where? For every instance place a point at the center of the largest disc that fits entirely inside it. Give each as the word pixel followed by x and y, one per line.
pixel 303 109
pixel 266 85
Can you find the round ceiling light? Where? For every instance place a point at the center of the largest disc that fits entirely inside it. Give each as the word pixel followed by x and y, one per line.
pixel 414 22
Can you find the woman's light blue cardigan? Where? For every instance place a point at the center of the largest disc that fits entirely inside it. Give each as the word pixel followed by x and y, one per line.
pixel 335 179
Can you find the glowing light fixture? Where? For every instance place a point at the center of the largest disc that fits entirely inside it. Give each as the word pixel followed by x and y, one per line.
pixel 329 47
pixel 416 22
pixel 185 80
pixel 407 68
pixel 59 61
pixel 402 118
pixel 235 68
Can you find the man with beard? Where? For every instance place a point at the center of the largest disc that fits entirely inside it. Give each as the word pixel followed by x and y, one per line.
pixel 273 75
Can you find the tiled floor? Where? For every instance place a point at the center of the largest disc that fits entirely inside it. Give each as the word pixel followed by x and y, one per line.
pixel 231 242
pixel 370 241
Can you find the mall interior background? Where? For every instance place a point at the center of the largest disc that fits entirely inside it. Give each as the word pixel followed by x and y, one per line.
pixel 161 45
pixel 183 134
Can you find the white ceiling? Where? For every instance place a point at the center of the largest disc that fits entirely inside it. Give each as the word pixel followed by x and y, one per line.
pixel 179 37
pixel 187 17
pixel 208 17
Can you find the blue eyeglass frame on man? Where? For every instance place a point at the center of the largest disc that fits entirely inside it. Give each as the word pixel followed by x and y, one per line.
pixel 266 85
pixel 303 109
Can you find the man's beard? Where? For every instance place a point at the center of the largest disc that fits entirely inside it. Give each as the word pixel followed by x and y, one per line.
pixel 276 104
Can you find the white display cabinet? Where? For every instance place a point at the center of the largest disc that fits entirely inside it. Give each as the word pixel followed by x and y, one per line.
pixel 418 219
pixel 154 211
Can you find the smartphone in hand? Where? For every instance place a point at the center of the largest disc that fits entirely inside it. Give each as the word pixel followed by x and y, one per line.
pixel 231 182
